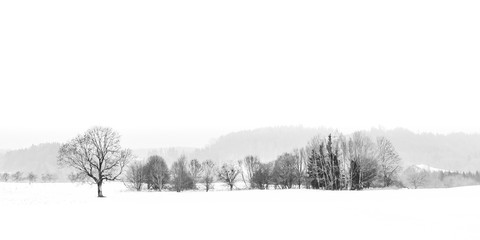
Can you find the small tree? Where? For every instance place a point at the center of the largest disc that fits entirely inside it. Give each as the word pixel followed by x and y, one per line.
pixel 17 177
pixel 416 177
pixel 228 173
pixel 195 170
pixel 156 173
pixel 5 177
pixel 48 177
pixel 208 174
pixel 284 171
pixel 181 179
pixel 134 176
pixel 262 176
pixel 247 167
pixel 96 153
pixel 388 160
pixel 363 164
pixel 369 171
pixel 242 172
pixel 32 177
pixel 300 165
pixel 77 177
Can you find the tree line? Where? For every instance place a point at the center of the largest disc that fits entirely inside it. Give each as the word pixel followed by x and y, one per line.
pixel 333 162
pixel 30 177
pixel 154 174
pixel 415 177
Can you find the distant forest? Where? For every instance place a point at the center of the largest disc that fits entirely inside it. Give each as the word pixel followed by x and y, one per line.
pixel 456 152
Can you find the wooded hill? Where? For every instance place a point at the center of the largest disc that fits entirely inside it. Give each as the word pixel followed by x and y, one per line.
pixel 457 152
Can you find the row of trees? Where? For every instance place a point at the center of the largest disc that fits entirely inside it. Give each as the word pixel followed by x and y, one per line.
pixel 30 177
pixel 97 156
pixel 352 163
pixel 287 171
pixel 155 175
pixel 325 163
pixel 415 177
pixel 332 163
pixel 184 175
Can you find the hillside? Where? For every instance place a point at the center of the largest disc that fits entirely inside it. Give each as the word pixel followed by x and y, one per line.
pixel 39 159
pixel 457 152
pixel 266 143
pixel 169 154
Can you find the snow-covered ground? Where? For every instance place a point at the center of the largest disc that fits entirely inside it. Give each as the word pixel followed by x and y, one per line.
pixel 430 169
pixel 72 211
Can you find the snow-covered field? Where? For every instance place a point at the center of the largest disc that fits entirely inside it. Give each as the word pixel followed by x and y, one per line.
pixel 72 211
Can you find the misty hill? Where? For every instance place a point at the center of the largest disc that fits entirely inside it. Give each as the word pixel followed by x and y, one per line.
pixel 459 152
pixel 169 154
pixel 266 143
pixel 38 159
pixel 423 167
pixel 456 152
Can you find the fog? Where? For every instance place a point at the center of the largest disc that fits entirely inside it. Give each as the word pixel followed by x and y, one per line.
pixel 178 74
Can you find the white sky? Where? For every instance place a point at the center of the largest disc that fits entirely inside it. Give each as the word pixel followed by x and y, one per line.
pixel 179 73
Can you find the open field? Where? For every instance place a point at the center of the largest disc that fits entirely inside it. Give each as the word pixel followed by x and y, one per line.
pixel 72 211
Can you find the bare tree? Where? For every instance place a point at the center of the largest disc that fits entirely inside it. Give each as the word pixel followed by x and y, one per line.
pixel 247 167
pixel 363 165
pixel 242 173
pixel 314 168
pixel 181 178
pixel 283 174
pixel 156 173
pixel 388 160
pixel 96 153
pixel 416 177
pixel 195 170
pixel 31 177
pixel 77 177
pixel 344 157
pixel 228 173
pixel 208 174
pixel 5 177
pixel 17 176
pixel 134 176
pixel 262 176
pixel 300 157
pixel 369 172
pixel 49 177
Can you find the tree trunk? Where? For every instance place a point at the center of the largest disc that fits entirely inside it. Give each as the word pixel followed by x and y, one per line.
pixel 99 186
pixel 231 187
